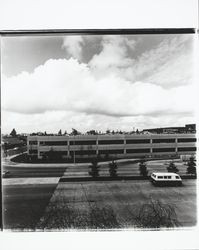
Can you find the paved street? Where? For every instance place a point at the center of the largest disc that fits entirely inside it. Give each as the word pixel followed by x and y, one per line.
pixel 26 171
pixel 81 170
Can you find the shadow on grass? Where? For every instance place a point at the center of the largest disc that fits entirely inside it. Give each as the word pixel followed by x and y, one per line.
pixel 152 215
pixel 155 215
pixel 62 217
pixel 103 218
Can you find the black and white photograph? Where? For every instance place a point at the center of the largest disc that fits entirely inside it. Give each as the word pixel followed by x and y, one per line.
pixel 98 130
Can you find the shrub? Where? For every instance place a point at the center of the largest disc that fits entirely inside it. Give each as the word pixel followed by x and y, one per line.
pixel 191 169
pixel 94 169
pixel 172 168
pixel 143 168
pixel 156 214
pixel 113 169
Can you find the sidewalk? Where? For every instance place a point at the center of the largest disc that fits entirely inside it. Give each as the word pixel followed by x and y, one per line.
pixel 7 161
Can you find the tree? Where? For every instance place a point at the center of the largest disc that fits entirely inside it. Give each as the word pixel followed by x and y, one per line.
pixel 113 169
pixel 156 214
pixel 13 133
pixel 108 131
pixel 92 132
pixel 52 155
pixel 172 168
pixel 94 168
pixel 143 168
pixel 60 132
pixel 75 132
pixel 191 169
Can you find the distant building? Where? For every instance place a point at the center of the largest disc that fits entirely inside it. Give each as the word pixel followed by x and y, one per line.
pixel 189 128
pixel 116 146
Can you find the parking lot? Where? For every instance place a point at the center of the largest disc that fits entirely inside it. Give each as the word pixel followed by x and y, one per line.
pixel 36 199
pixel 50 206
pixel 122 198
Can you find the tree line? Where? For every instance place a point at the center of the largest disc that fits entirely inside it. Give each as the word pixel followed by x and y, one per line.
pixel 75 132
pixel 172 168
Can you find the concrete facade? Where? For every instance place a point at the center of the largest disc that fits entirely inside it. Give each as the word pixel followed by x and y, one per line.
pixel 118 146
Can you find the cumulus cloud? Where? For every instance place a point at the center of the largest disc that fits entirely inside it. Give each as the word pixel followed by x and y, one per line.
pixel 114 90
pixel 73 45
pixel 52 121
pixel 114 54
pixel 69 85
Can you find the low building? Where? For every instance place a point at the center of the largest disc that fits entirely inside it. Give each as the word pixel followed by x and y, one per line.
pixel 188 128
pixel 117 146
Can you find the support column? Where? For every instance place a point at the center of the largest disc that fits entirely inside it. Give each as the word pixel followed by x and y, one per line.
pixel 151 147
pixel 28 145
pixel 125 146
pixel 176 145
pixel 97 151
pixel 68 148
pixel 38 151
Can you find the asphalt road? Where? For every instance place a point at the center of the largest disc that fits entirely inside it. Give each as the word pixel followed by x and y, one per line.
pixel 26 171
pixel 81 170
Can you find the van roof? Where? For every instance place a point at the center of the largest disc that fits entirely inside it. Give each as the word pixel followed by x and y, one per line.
pixel 165 174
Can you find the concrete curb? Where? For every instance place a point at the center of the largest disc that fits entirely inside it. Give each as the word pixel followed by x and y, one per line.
pixel 108 178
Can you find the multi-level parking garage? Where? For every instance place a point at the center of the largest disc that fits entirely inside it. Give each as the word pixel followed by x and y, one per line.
pixel 117 146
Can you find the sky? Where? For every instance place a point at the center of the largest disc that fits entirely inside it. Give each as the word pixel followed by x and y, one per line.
pixel 116 82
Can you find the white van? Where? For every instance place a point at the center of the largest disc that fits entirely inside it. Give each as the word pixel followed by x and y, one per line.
pixel 166 179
